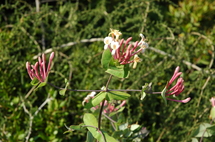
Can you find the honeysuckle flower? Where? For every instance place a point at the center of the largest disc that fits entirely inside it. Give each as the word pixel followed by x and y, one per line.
pixel 136 60
pixel 115 33
pixel 114 47
pixel 88 97
pixel 39 70
pixel 122 50
pixel 143 44
pixel 177 88
pixel 107 42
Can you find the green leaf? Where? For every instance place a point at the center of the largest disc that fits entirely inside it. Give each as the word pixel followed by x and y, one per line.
pixel 135 127
pixel 63 91
pixel 106 57
pixel 143 94
pixel 194 140
pixel 115 112
pixel 42 84
pixel 211 129
pixel 212 113
pixel 117 95
pixel 163 94
pixel 35 81
pixel 202 130
pixel 121 71
pixel 123 126
pixel 96 100
pixel 76 127
pixel 90 137
pixel 90 120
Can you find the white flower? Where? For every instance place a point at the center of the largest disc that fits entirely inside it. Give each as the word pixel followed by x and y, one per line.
pixel 144 45
pixel 114 46
pixel 89 96
pixel 107 41
pixel 106 46
pixel 136 60
pixel 116 33
pixel 142 36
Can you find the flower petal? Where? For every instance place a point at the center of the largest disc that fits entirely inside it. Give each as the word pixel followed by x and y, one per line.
pixel 181 101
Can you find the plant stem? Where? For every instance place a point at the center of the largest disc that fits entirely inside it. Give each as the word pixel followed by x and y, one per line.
pixel 108 82
pixel 100 114
pixel 103 102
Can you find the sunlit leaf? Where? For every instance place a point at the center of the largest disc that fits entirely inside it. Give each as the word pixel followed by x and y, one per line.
pixel 90 120
pixel 90 137
pixel 194 140
pixel 63 91
pixel 202 130
pixel 106 57
pixel 134 127
pixel 121 71
pixel 117 95
pixel 212 113
pixel 163 94
pixel 35 81
pixel 96 100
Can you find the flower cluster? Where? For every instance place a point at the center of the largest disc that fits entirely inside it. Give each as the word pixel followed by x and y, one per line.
pixel 177 88
pixel 43 72
pixel 122 50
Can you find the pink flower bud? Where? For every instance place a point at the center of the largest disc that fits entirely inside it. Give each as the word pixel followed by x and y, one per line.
pixel 177 88
pixel 42 73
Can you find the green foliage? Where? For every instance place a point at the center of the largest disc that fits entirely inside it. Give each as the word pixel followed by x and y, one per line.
pixel 184 30
pixel 113 68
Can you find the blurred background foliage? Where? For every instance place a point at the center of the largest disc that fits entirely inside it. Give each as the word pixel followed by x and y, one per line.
pixel 183 29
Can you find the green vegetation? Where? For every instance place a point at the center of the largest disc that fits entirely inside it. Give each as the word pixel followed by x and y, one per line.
pixel 179 33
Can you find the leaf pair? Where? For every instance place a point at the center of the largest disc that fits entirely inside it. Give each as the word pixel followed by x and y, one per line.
pixel 113 67
pixel 109 96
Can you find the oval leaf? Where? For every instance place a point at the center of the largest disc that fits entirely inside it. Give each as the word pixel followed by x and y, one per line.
pixel 117 95
pixel 106 57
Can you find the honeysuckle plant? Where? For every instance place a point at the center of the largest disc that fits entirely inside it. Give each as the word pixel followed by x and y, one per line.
pixel 103 105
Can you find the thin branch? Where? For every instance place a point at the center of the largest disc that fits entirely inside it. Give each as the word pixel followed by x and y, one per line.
pixel 31 117
pixel 29 92
pixel 108 82
pixel 100 114
pixel 69 44
pixel 42 105
pixel 109 118
pixel 145 16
